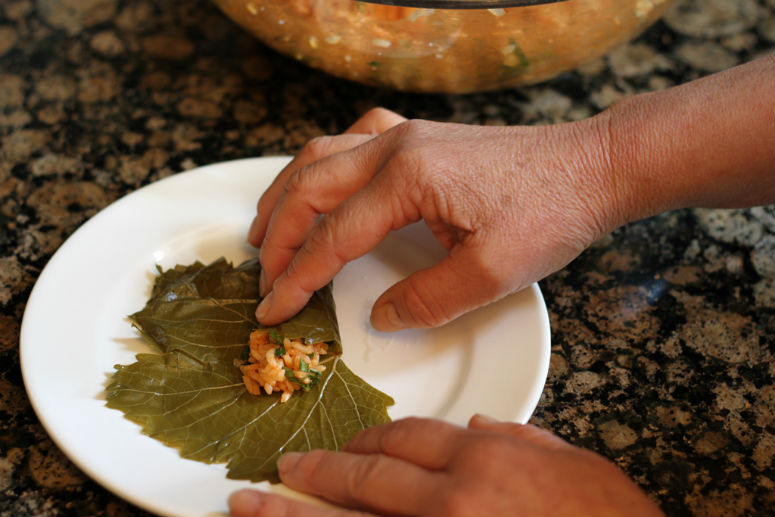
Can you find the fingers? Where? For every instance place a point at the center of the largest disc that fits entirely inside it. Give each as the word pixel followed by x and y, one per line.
pixel 376 121
pixel 300 254
pixel 314 150
pixel 348 232
pixel 460 282
pixel 313 190
pixel 253 503
pixel 424 442
pixel 369 481
pixel 528 432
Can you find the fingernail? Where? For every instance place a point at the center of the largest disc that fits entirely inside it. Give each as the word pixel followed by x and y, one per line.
pixel 263 308
pixel 262 283
pixel 287 461
pixel 244 502
pixel 385 318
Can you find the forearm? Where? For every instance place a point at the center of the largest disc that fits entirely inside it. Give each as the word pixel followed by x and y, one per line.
pixel 708 143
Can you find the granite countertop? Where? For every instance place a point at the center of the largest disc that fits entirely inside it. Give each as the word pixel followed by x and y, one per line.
pixel 662 333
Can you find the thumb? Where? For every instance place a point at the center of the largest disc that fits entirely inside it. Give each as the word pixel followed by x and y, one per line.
pixel 434 296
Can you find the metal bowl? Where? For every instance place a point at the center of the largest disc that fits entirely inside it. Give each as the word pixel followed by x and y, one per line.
pixel 426 49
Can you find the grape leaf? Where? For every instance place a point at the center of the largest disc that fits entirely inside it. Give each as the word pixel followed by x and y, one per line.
pixel 190 395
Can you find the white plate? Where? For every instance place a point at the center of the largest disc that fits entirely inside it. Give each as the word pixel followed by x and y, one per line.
pixel 493 361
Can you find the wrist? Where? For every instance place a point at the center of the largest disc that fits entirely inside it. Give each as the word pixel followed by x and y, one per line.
pixel 639 189
pixel 707 143
pixel 598 183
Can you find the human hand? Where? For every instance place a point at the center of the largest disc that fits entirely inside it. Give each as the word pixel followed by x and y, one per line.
pixel 428 467
pixel 510 204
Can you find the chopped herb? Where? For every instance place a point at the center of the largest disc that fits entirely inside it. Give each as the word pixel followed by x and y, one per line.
pixel 303 366
pixel 314 378
pixel 291 376
pixel 524 62
pixel 374 64
pixel 279 352
pixel 515 61
pixel 276 338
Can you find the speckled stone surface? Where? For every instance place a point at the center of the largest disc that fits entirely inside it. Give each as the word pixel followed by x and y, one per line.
pixel 662 333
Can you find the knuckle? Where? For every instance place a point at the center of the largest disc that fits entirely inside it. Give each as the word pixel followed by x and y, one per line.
pixel 476 453
pixel 409 160
pixel 274 259
pixel 295 291
pixel 295 184
pixel 294 282
pixel 326 239
pixel 377 113
pixel 322 237
pixel 310 465
pixel 485 447
pixel 292 187
pixel 359 480
pixel 423 308
pixel 271 505
pixel 412 127
pixel 493 279
pixel 398 433
pixel 412 157
pixel 316 148
pixel 406 172
pixel 291 272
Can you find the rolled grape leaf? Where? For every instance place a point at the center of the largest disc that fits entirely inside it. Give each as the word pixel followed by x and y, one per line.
pixel 191 396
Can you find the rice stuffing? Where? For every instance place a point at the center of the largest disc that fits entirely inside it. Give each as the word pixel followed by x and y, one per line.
pixel 278 364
